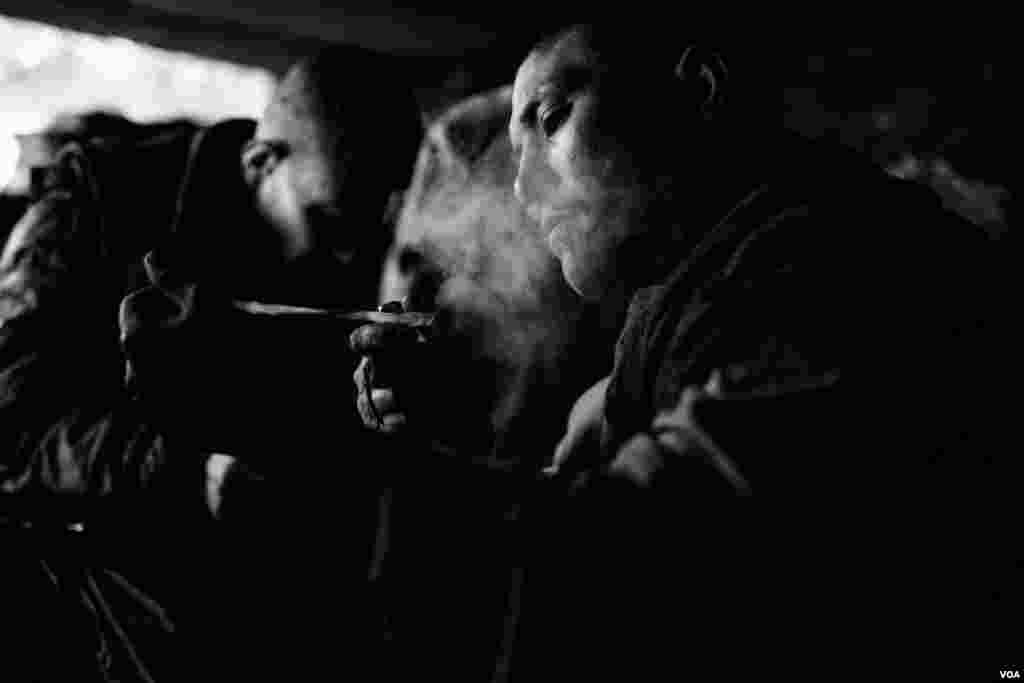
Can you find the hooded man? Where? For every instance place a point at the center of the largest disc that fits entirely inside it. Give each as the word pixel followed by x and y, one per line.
pixel 135 396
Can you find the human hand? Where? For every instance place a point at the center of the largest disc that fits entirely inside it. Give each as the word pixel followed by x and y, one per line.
pixel 679 437
pixel 581 444
pixel 392 365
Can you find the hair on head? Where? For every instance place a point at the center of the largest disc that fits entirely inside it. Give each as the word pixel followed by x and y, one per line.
pixel 362 95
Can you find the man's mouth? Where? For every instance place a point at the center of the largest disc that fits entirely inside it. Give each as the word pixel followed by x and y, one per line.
pixel 556 227
pixel 559 237
pixel 551 220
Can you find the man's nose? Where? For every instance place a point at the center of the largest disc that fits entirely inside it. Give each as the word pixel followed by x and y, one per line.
pixel 517 187
pixel 530 182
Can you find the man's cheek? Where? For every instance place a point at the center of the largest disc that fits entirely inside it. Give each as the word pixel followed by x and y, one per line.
pixel 283 210
pixel 576 277
pixel 571 162
pixel 586 266
pixel 598 156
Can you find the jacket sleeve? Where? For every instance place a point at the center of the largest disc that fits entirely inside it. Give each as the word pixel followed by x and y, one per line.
pixel 73 440
pixel 845 353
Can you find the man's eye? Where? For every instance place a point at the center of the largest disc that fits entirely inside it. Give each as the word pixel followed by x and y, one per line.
pixel 259 154
pixel 255 155
pixel 552 119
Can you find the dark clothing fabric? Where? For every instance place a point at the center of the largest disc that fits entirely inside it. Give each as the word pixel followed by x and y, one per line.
pixel 860 323
pixel 91 490
pixel 12 207
pixel 67 265
pixel 124 365
pixel 297 577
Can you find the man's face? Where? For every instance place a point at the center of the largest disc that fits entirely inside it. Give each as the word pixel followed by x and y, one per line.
pixel 573 175
pixel 300 190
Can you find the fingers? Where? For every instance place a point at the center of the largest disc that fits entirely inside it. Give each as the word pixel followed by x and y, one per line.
pixel 366 411
pixel 639 460
pixel 393 423
pixel 577 450
pixel 677 436
pixel 581 443
pixel 678 442
pixel 682 416
pixel 377 407
pixel 716 384
pixel 681 432
pixel 698 468
pixel 217 466
pixel 375 338
pixel 563 452
pixel 379 411
pixel 383 401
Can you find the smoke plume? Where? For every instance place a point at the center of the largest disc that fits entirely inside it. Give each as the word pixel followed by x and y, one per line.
pixel 464 242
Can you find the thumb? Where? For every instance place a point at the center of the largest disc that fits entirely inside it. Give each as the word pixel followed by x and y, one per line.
pixel 562 453
pixel 578 450
pixel 377 337
pixel 639 460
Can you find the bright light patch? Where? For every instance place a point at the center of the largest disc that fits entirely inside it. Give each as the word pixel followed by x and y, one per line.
pixel 8 158
pixel 47 72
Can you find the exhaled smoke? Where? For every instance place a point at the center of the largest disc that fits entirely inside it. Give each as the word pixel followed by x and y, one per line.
pixel 461 223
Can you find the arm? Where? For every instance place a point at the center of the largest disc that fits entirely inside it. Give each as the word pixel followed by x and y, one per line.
pixel 71 435
pixel 837 355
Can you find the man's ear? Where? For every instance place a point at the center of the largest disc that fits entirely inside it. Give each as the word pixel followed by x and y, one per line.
pixel 704 71
pixel 259 159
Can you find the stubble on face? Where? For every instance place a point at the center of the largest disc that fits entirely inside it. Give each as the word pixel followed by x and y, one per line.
pixel 573 174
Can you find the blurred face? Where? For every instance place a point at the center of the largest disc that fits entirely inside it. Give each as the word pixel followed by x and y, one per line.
pixel 573 177
pixel 298 187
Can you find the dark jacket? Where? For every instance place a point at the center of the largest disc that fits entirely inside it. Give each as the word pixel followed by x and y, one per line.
pixel 123 367
pixel 82 467
pixel 860 324
pixel 65 269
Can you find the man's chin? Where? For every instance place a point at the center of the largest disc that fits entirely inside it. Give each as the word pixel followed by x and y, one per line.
pixel 581 282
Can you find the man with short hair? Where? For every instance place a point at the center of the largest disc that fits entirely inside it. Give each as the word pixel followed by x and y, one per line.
pixel 802 328
pixel 136 398
pixel 799 326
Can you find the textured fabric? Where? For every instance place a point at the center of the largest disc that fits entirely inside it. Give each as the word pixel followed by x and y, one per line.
pixel 857 321
pixel 95 497
pixel 70 432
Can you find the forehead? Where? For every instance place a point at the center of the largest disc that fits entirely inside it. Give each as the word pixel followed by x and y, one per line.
pixel 565 66
pixel 305 136
pixel 295 116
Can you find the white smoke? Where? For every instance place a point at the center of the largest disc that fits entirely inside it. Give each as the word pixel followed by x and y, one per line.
pixel 461 212
pixel 499 276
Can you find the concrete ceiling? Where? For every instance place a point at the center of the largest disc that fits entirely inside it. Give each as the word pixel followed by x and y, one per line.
pixel 271 34
pixel 448 52
pixel 479 43
pixel 377 25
